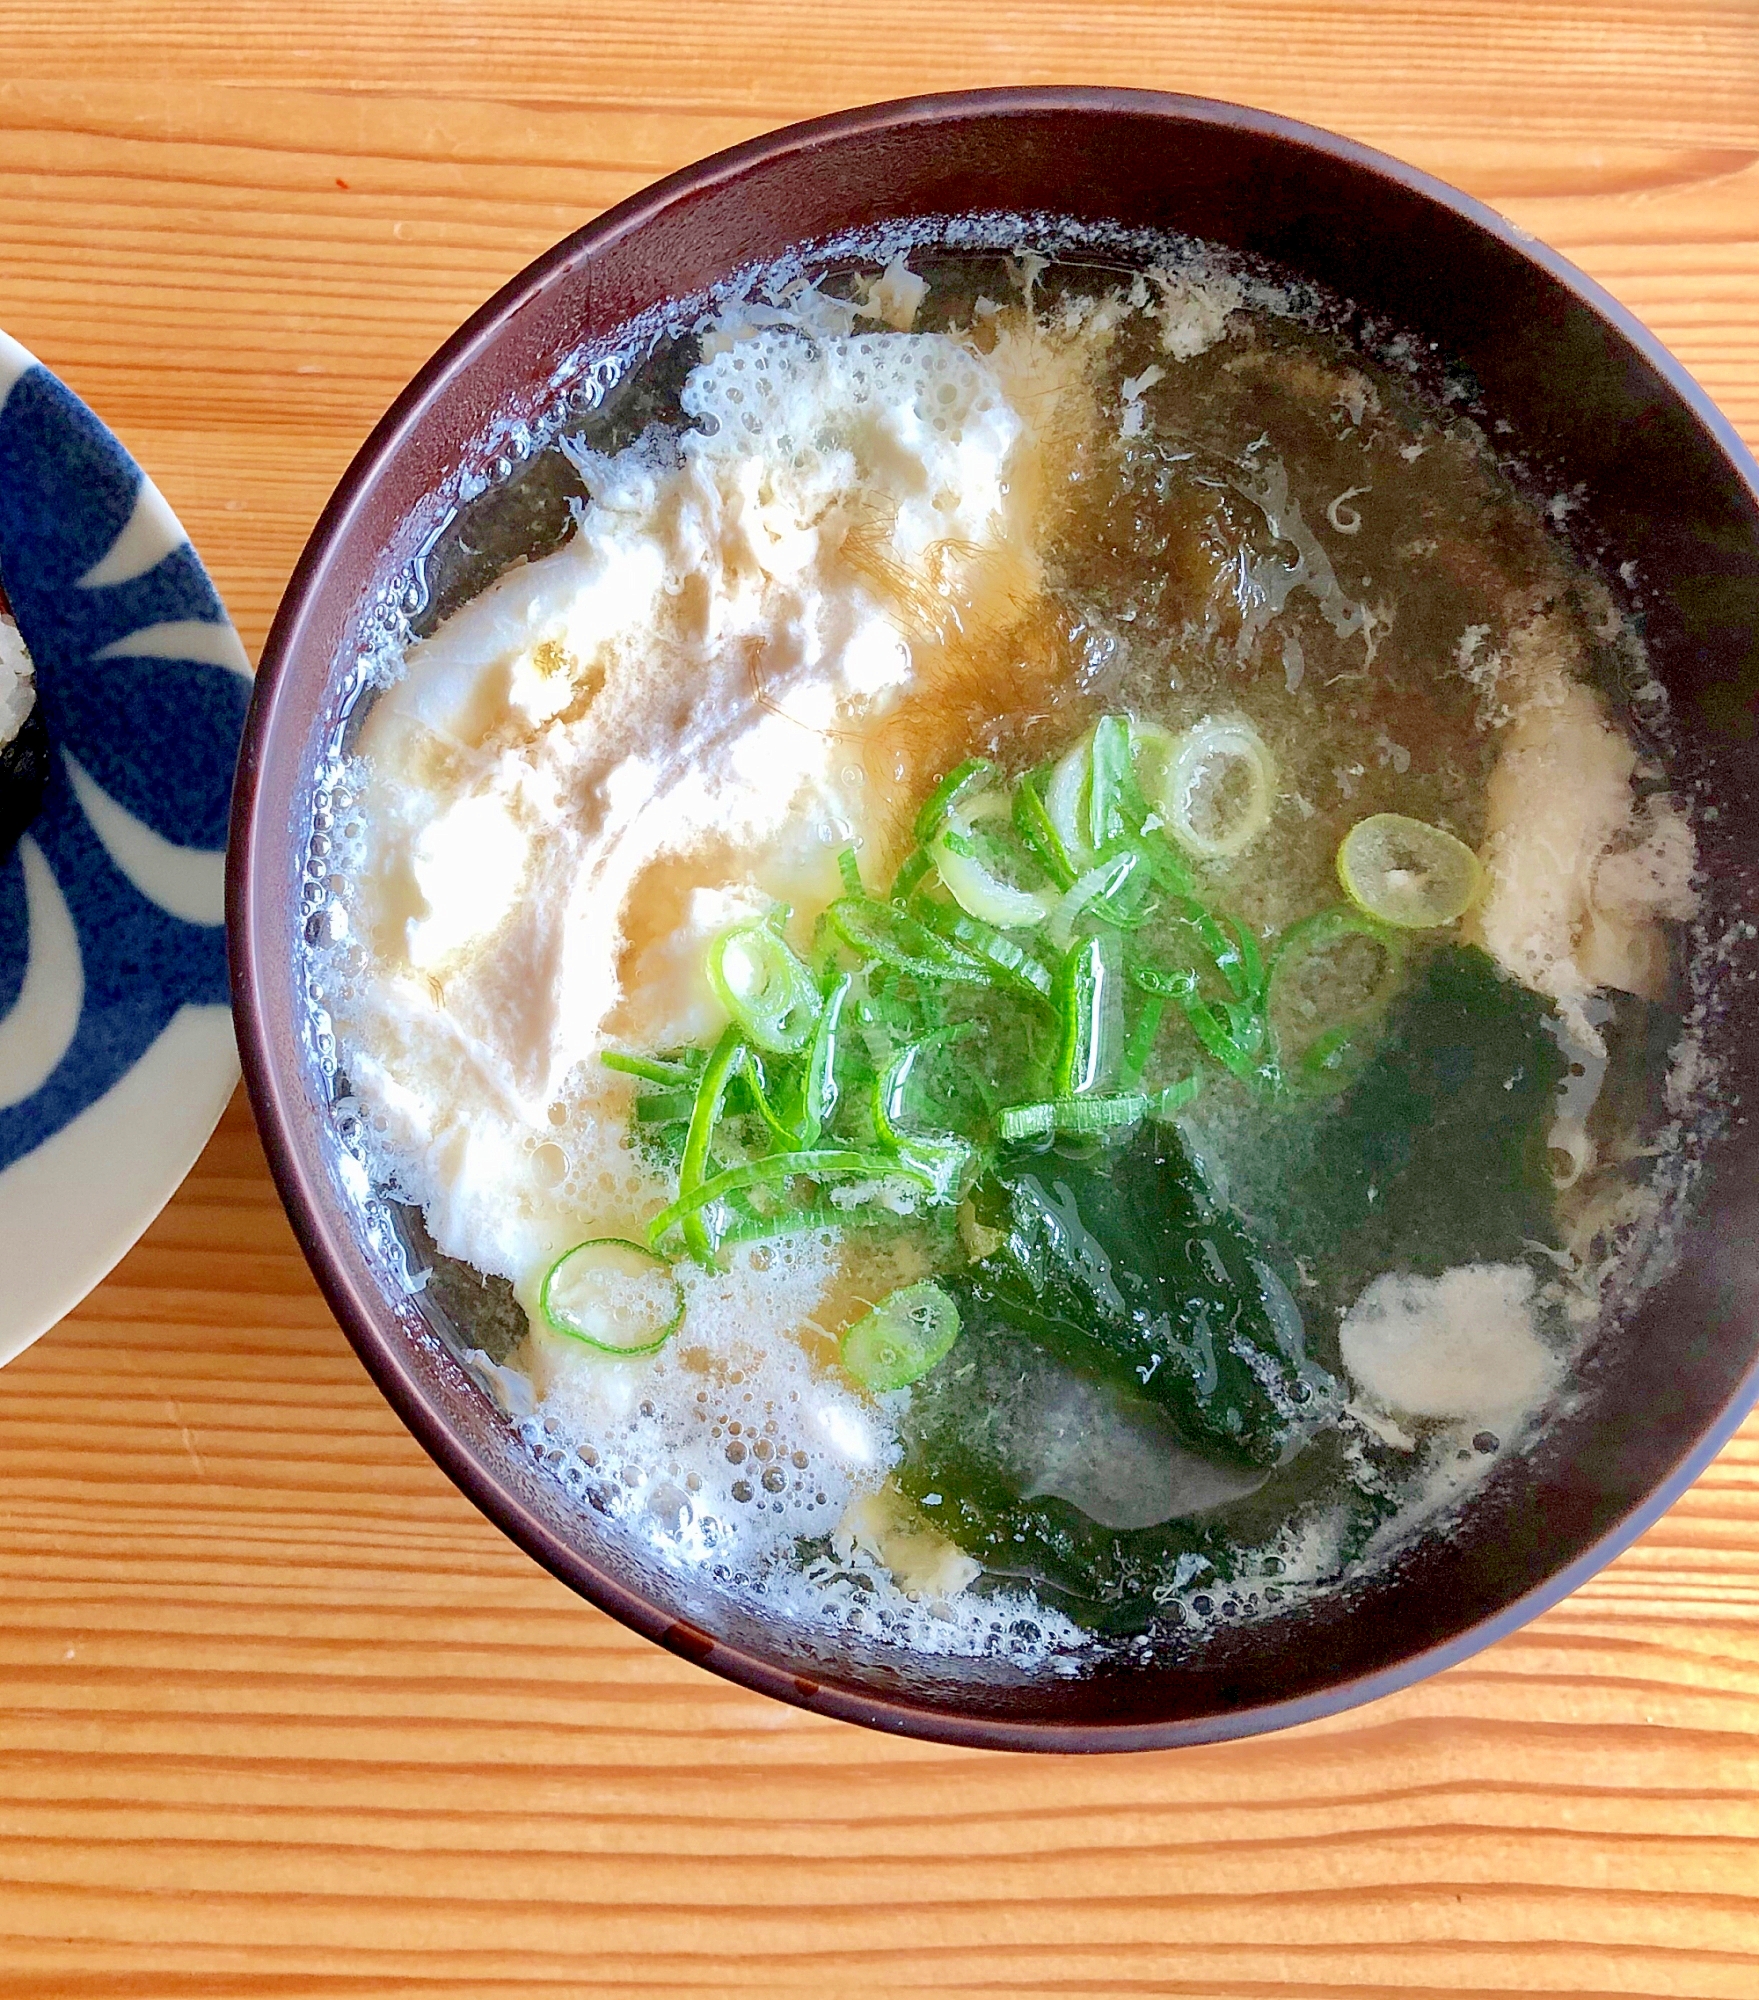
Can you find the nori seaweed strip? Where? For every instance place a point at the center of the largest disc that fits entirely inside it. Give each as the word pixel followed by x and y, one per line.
pixel 24 774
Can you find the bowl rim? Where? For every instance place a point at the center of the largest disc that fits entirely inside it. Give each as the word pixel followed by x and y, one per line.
pixel 270 1073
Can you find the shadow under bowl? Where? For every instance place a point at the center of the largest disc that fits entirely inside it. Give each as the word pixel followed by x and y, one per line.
pixel 1591 397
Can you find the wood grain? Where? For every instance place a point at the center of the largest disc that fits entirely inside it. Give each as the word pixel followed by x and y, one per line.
pixel 279 1714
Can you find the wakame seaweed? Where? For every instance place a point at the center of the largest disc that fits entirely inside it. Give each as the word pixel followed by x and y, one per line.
pixel 1119 1290
pixel 1129 1267
pixel 1435 1155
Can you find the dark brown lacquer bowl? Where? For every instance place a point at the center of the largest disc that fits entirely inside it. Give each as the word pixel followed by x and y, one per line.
pixel 1590 395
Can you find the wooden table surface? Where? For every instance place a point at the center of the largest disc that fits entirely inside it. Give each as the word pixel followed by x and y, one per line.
pixel 280 1714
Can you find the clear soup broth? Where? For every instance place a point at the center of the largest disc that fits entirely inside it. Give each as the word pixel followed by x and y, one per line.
pixel 1012 934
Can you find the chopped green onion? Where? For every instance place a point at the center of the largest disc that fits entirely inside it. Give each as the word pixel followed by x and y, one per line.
pixel 904 1336
pixel 1243 968
pixel 1095 823
pixel 1170 982
pixel 1108 772
pixel 772 1170
pixel 996 803
pixel 1231 1031
pixel 1193 795
pixel 1088 998
pixel 976 887
pixel 1140 1045
pixel 916 864
pixel 1086 1115
pixel 710 1093
pixel 947 794
pixel 1332 1058
pixel 1175 1096
pixel 1035 827
pixel 941 1155
pixel 1321 994
pixel 1066 801
pixel 1407 872
pixel 1102 880
pixel 883 931
pixel 801 1222
pixel 1152 751
pixel 1235 1040
pixel 780 1128
pixel 613 1295
pixel 654 1069
pixel 942 1165
pixel 1027 1121
pixel 758 979
pixel 880 1008
pixel 664 1107
pixel 1011 962
pixel 1228 946
pixel 1326 929
pixel 1167 867
pixel 1121 904
pixel 889 1093
pixel 819 1097
pixel 1077 1116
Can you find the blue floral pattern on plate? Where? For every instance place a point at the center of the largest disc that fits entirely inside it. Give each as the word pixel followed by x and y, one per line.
pixel 112 906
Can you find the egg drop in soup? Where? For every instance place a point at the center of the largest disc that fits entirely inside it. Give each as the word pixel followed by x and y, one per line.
pixel 1013 934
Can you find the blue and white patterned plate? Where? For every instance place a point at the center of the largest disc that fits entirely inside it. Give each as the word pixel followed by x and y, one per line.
pixel 116 1050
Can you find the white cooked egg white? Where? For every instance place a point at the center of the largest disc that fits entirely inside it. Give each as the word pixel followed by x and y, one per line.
pixel 616 751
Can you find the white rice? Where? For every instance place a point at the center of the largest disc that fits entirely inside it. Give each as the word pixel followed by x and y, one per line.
pixel 18 688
